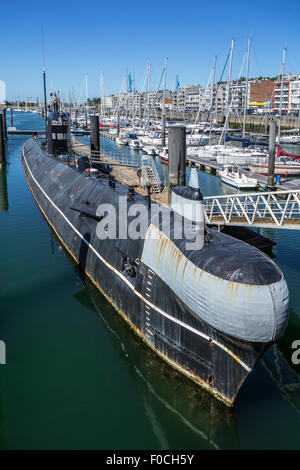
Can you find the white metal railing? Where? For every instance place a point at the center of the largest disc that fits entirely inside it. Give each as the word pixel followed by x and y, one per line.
pixel 276 209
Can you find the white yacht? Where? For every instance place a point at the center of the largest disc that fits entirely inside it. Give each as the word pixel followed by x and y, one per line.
pixel 134 144
pixel 283 166
pixel 288 139
pixel 196 139
pixel 232 175
pixel 229 154
pixel 152 138
pixel 164 156
pixel 150 150
pixel 121 141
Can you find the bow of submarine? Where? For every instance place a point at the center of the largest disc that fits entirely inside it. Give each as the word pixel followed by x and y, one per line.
pixel 232 293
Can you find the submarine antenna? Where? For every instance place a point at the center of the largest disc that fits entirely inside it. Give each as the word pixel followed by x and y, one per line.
pixel 44 80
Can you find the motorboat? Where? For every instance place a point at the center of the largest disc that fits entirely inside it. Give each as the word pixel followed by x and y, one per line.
pixel 152 138
pixel 121 141
pixel 232 175
pixel 164 157
pixel 150 150
pixel 196 139
pixel 135 144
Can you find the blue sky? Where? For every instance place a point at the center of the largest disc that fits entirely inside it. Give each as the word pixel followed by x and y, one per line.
pixel 87 37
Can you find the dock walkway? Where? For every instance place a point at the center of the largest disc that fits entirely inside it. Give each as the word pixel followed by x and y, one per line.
pixel 127 174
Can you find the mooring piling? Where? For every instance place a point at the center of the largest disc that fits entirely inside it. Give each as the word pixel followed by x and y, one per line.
pixel 11 117
pixel 177 156
pixel 118 122
pixel 163 130
pixel 272 146
pixel 3 189
pixel 2 140
pixel 4 123
pixel 95 138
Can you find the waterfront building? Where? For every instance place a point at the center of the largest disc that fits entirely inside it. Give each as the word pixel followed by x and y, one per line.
pixel 290 97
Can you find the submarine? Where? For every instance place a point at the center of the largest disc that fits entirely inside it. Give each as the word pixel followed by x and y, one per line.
pixel 209 308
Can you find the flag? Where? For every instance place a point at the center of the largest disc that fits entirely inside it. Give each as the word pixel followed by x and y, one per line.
pixel 177 83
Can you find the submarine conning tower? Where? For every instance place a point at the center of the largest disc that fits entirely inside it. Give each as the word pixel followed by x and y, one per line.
pixel 187 201
pixel 58 129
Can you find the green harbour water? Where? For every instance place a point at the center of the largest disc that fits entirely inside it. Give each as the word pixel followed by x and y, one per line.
pixel 76 377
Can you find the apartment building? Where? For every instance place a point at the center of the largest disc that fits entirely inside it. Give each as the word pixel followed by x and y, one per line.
pixel 294 96
pixel 287 94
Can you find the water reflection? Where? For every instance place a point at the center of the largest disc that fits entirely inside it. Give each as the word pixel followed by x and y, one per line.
pixel 3 189
pixel 178 413
pixel 178 410
pixel 285 378
pixel 2 446
pixel 284 344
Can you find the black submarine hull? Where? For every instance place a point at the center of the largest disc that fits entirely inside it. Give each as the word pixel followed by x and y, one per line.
pixel 217 361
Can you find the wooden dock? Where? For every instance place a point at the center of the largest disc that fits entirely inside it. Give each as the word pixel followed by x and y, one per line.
pixel 126 174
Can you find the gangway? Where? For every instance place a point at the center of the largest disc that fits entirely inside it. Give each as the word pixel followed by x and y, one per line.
pixel 278 209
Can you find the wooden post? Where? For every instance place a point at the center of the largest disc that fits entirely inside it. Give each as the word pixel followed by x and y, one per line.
pixel 11 117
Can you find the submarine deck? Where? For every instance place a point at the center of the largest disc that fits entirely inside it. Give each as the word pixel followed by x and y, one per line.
pixel 124 174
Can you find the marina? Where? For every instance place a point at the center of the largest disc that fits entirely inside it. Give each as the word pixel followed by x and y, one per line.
pixel 202 421
pixel 149 231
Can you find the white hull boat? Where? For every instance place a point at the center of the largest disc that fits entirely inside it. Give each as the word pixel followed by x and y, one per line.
pixel 150 150
pixel 233 176
pixel 164 157
pixel 289 139
pixel 121 141
pixel 281 168
pixel 134 144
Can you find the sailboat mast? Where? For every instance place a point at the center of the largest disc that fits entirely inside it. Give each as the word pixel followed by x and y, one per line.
pixel 146 117
pixel 149 91
pixel 44 78
pixel 229 83
pixel 215 89
pixel 281 92
pixel 100 94
pixel 86 98
pixel 126 97
pixel 212 93
pixel 246 90
pixel 163 123
pixel 45 97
